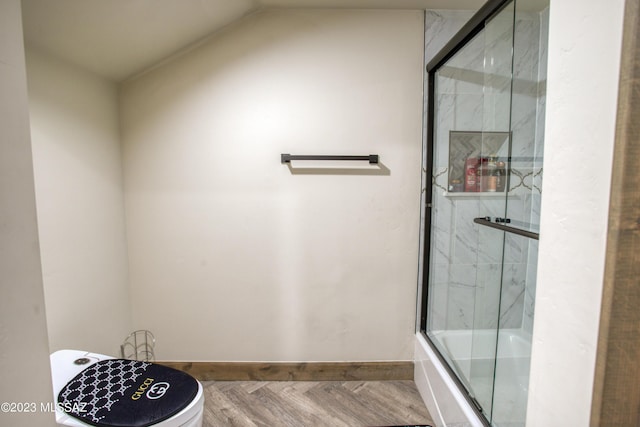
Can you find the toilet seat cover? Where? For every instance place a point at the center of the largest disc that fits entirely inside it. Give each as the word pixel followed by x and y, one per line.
pixel 126 393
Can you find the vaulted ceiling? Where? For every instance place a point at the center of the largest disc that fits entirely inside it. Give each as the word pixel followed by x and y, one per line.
pixel 120 38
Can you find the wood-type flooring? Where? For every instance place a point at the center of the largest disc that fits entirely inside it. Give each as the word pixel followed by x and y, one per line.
pixel 313 404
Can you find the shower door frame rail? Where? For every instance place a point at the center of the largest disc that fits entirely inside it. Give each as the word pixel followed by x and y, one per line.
pixel 475 25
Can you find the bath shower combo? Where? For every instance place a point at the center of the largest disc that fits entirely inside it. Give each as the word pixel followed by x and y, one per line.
pixel 484 152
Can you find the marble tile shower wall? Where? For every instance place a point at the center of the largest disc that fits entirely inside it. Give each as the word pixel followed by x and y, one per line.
pixel 473 95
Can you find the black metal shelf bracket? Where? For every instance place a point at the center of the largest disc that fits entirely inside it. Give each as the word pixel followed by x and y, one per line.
pixel 287 158
pixel 499 224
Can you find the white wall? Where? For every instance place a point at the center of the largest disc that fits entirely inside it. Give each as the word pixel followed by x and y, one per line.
pixel 233 256
pixel 584 55
pixel 78 177
pixel 24 353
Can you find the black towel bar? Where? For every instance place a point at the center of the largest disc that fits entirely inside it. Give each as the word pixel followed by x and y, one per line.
pixel 371 158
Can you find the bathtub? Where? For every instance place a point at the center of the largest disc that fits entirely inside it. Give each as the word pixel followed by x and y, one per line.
pixel 447 404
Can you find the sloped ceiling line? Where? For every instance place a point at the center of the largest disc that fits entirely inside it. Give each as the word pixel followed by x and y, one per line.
pixel 120 38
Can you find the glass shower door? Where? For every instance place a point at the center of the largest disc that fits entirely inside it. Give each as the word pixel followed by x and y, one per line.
pixel 494 164
pixel 471 150
pixel 520 258
pixel 486 145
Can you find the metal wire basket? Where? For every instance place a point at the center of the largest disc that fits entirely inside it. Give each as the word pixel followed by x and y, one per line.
pixel 139 345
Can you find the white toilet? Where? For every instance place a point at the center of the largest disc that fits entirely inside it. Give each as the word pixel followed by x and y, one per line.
pixel 96 390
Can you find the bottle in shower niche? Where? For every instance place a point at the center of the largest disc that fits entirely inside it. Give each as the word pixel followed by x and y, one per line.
pixel 471 175
pixel 501 176
pixel 492 175
pixel 456 186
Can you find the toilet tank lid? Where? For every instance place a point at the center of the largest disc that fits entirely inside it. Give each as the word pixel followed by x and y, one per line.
pixel 126 393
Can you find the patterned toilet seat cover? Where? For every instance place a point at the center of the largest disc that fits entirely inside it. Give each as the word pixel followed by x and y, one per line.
pixel 127 393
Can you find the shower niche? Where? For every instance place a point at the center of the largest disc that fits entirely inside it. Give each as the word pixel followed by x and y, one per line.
pixel 477 162
pixel 484 158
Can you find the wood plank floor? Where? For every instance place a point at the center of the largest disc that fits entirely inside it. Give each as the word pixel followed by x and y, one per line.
pixel 313 404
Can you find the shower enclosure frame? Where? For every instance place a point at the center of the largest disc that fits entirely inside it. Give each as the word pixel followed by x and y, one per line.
pixel 474 26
